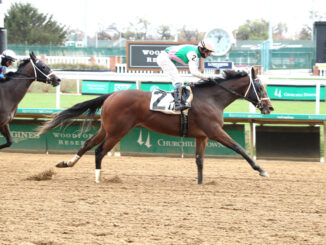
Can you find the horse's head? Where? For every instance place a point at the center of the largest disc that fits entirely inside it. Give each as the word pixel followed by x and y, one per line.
pixel 43 72
pixel 257 94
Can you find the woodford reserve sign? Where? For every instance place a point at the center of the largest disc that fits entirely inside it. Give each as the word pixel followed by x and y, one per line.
pixel 142 55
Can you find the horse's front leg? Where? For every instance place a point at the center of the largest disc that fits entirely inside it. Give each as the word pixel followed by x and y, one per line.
pixel 4 130
pixel 227 141
pixel 200 149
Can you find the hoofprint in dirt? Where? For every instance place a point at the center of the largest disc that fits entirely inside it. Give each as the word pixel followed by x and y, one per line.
pixel 158 201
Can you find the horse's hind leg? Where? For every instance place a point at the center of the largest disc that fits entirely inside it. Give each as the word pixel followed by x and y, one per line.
pixel 227 141
pixel 109 142
pixel 4 130
pixel 89 144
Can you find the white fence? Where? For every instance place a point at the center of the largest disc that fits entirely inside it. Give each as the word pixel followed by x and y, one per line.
pixel 74 60
pixel 321 69
pixel 122 68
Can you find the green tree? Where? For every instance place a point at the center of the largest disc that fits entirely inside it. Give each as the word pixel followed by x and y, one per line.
pixel 164 32
pixel 306 30
pixel 279 31
pixel 137 30
pixel 111 32
pixel 25 25
pixel 305 33
pixel 253 30
pixel 190 35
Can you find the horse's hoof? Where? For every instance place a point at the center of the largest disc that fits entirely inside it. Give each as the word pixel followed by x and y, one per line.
pixel 62 165
pixel 264 174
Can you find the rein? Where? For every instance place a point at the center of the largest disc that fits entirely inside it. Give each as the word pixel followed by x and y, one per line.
pixel 236 93
pixel 35 77
pixel 25 75
pixel 247 92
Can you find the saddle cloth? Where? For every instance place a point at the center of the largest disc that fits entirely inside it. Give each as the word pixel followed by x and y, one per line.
pixel 163 101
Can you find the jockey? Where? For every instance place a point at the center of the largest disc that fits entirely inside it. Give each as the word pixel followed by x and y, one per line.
pixel 187 55
pixel 7 58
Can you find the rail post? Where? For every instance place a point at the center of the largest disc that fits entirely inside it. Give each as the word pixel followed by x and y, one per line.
pixel 324 141
pixel 57 104
pixel 317 97
pixel 251 139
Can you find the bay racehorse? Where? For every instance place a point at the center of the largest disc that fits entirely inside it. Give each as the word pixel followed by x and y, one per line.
pixel 123 110
pixel 15 86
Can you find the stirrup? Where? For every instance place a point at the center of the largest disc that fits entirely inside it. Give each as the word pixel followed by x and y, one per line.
pixel 178 107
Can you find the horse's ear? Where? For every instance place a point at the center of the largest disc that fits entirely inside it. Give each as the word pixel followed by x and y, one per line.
pixel 33 56
pixel 253 73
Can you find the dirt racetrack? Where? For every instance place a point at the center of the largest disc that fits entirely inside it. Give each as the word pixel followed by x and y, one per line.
pixel 157 201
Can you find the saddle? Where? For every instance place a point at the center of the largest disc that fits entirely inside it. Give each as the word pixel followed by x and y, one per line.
pixel 163 101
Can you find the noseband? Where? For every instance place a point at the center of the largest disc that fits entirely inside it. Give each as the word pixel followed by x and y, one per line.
pixel 251 84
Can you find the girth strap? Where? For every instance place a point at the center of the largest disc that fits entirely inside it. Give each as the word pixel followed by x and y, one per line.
pixel 184 123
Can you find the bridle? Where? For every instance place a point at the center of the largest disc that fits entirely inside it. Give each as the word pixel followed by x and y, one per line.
pixel 246 95
pixel 36 70
pixel 259 99
pixel 47 76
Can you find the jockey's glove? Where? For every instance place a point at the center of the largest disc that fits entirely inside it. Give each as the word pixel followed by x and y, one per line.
pixel 211 79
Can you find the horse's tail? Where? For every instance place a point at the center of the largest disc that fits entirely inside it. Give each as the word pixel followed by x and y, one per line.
pixel 89 108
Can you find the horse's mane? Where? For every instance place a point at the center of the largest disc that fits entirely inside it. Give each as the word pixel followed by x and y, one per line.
pixel 224 76
pixel 11 74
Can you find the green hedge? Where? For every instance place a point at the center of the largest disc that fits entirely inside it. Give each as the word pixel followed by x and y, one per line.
pixel 92 67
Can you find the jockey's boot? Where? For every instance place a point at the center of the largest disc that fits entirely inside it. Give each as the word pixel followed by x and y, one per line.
pixel 177 98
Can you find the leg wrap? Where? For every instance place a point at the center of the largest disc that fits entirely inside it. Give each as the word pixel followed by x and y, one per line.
pixel 73 161
pixel 97 175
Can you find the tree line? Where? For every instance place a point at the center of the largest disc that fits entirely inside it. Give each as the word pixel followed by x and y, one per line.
pixel 26 25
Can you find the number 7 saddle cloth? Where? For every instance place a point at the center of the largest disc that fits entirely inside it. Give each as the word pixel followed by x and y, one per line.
pixel 163 101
